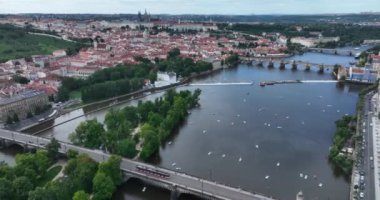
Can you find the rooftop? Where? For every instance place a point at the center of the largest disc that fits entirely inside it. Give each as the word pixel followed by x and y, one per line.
pixel 21 96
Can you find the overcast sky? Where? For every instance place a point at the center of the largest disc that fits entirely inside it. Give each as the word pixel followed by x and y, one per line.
pixel 190 6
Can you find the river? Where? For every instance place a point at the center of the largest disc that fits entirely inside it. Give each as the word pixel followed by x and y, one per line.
pixel 291 124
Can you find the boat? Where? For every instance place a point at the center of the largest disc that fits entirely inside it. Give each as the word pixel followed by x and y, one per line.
pixel 240 159
pixel 278 164
pixel 267 177
pixel 42 119
pixel 262 84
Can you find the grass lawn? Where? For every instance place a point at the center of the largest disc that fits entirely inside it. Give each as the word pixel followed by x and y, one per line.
pixel 50 174
pixel 75 95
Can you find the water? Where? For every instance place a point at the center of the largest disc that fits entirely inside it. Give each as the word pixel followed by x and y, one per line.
pixel 236 119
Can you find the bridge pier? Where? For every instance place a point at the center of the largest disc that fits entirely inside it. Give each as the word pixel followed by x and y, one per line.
pixel 294 65
pixel 307 67
pixel 282 65
pixel 260 63
pixel 270 64
pixel 2 144
pixel 174 193
pixel 321 69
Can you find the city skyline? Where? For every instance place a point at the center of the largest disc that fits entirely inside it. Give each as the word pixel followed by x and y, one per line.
pixel 238 7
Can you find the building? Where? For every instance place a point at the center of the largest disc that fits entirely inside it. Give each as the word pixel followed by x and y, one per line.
pixel 362 75
pixel 307 42
pixel 59 53
pixel 165 78
pixel 77 72
pixel 22 103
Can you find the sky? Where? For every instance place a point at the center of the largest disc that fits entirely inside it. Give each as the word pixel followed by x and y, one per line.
pixel 229 7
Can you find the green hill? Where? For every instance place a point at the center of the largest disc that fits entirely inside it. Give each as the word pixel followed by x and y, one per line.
pixel 17 43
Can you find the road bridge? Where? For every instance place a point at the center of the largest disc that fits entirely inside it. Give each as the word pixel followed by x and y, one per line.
pixel 176 182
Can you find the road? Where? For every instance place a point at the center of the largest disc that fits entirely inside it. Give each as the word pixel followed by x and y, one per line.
pixel 366 165
pixel 180 180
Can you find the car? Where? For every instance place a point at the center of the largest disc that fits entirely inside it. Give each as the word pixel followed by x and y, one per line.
pixel 361 195
pixel 371 158
pixel 361 173
pixel 362 187
pixel 362 178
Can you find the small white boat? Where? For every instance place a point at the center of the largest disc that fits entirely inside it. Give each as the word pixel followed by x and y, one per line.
pixel 320 185
pixel 174 164
pixel 209 153
pixel 178 168
pixel 268 125
pixel 224 155
pixel 278 164
pixel 329 105
pixel 337 110
pixel 232 123
pixel 301 175
pixel 204 131
pixel 144 188
pixel 244 122
pixel 218 120
pixel 257 146
pixel 267 177
pixel 265 124
pixel 305 177
pixel 240 159
pixel 287 117
pixel 279 127
pixel 170 142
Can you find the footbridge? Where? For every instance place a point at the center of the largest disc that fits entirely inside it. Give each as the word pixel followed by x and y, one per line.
pixel 174 181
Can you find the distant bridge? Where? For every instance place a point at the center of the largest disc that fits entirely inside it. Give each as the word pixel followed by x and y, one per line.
pixel 174 181
pixel 347 52
pixel 252 83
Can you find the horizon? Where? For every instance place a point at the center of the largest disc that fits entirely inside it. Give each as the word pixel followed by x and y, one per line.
pixel 195 7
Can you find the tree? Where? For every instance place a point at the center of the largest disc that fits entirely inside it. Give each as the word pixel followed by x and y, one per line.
pixel 174 53
pixel 41 193
pixel 53 149
pixel 89 134
pixel 21 187
pixel 15 118
pixel 81 171
pixel 20 79
pixel 103 187
pixel 127 148
pixel 5 189
pixel 29 115
pixel 81 195
pixel 63 94
pixel 111 168
pixel 9 120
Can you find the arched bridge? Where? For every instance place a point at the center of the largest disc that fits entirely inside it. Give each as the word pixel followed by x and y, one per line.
pixel 172 180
